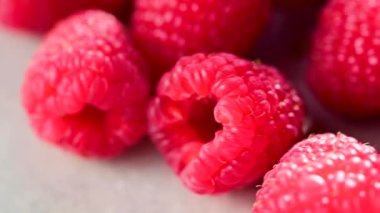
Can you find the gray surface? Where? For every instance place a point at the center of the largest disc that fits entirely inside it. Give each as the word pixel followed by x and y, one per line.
pixel 36 177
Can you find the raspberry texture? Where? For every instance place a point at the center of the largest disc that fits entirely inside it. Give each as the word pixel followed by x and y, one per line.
pixel 323 173
pixel 344 72
pixel 166 30
pixel 41 15
pixel 221 122
pixel 84 89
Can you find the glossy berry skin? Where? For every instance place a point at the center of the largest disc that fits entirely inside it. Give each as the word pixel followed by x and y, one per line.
pixel 166 30
pixel 323 173
pixel 344 71
pixel 221 122
pixel 41 15
pixel 84 89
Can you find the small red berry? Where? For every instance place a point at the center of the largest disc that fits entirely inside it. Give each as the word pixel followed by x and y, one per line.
pixel 41 15
pixel 221 122
pixel 344 72
pixel 323 173
pixel 84 89
pixel 166 30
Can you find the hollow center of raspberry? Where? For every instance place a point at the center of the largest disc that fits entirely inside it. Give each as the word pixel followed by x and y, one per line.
pixel 202 118
pixel 89 116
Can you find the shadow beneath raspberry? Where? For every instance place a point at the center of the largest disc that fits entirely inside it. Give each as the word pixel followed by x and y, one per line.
pixel 287 37
pixel 143 154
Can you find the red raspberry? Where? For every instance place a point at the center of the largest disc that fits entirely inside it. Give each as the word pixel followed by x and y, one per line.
pixel 345 70
pixel 166 30
pixel 84 90
pixel 324 173
pixel 221 122
pixel 40 15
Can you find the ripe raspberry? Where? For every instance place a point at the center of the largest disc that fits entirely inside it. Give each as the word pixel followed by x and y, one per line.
pixel 221 122
pixel 83 89
pixel 166 30
pixel 324 173
pixel 40 15
pixel 344 72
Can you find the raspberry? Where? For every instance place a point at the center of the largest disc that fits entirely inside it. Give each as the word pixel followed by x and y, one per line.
pixel 344 72
pixel 166 30
pixel 84 90
pixel 40 15
pixel 221 122
pixel 324 173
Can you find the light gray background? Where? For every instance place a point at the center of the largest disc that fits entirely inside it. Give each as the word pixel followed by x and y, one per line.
pixel 37 177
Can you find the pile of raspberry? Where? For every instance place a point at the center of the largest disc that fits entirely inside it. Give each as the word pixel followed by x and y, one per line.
pixel 193 76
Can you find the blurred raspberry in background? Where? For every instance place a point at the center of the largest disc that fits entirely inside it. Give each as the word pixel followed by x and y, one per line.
pixel 166 30
pixel 41 15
